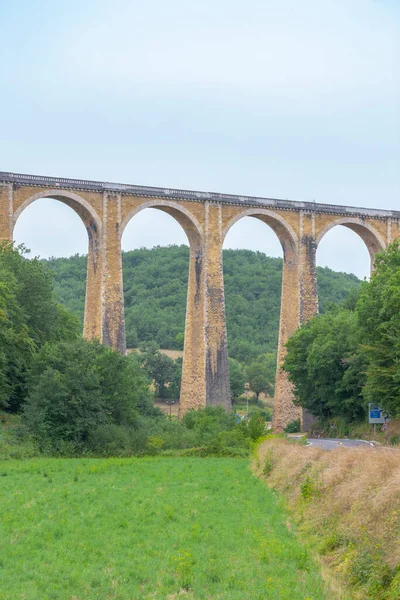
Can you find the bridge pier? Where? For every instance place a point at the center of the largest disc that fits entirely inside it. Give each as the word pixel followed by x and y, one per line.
pixel 217 370
pixel 299 303
pixel 284 409
pixel 112 297
pixel 94 276
pixel 193 387
pixel 6 212
pixel 205 374
pixel 308 285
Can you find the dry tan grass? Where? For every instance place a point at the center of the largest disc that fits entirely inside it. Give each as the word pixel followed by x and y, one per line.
pixel 174 354
pixel 166 408
pixel 348 494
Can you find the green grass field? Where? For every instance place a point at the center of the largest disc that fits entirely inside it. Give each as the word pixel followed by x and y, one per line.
pixel 137 529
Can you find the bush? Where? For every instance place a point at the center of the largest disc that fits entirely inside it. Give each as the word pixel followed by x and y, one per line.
pixel 293 426
pixel 79 388
pixel 256 426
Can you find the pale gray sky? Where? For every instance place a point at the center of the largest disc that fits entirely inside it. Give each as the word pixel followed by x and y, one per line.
pixel 278 98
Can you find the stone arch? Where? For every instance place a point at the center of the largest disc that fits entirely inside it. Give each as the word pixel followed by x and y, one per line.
pixel 81 206
pixel 185 218
pixel 282 228
pixel 370 236
pixel 92 223
pixel 193 388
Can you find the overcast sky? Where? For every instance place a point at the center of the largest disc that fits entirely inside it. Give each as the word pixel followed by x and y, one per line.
pixel 278 98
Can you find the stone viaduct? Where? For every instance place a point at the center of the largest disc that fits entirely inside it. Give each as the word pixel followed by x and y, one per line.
pixel 106 209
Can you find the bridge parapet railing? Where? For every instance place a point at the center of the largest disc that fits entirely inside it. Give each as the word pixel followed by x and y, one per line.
pixel 196 196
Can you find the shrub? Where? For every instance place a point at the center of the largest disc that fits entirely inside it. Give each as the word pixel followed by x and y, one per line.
pixel 76 388
pixel 293 426
pixel 256 426
pixel 269 462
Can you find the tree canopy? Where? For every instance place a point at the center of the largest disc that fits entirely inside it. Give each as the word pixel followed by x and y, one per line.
pixel 378 309
pixel 76 387
pixel 29 317
pixel 340 361
pixel 325 365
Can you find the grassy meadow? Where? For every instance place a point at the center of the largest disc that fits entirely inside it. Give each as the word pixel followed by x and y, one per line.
pixel 150 528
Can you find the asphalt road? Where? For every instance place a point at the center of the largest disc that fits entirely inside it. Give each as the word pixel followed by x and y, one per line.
pixel 331 444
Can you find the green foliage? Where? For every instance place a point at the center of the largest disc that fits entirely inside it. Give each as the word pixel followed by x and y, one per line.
pixel 165 372
pixel 237 378
pixel 293 426
pixel 331 428
pixel 351 355
pixel 16 345
pixel 87 400
pixel 308 488
pixel 29 317
pixel 325 365
pixel 155 287
pixel 77 387
pixel 379 313
pixel 261 375
pixel 269 462
pixel 14 441
pixel 336 288
pixel 366 568
pixel 256 426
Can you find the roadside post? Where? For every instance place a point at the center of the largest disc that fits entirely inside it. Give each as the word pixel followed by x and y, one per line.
pixel 170 403
pixel 376 415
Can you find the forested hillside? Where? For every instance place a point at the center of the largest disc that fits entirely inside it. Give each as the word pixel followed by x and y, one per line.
pixel 155 286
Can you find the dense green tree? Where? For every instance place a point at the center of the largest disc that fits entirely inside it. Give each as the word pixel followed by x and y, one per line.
pixel 29 317
pixel 34 293
pixel 165 372
pixel 261 375
pixel 379 316
pixel 75 387
pixel 326 366
pixel 237 377
pixel 16 346
pixel 340 361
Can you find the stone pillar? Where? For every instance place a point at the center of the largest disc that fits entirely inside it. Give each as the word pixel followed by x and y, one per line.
pixel 92 327
pixel 113 322
pixel 6 212
pixel 298 304
pixel 205 375
pixel 308 283
pixel 284 409
pixel 308 270
pixel 193 387
pixel 217 371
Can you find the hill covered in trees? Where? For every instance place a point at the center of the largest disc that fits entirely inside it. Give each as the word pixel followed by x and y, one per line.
pixel 155 288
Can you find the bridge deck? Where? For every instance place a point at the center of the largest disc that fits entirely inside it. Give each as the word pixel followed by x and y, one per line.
pixel 193 196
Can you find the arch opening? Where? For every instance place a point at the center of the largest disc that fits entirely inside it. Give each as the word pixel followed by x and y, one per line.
pixel 345 255
pixel 285 235
pixel 63 244
pixel 373 241
pixel 253 265
pixel 157 243
pixel 337 246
